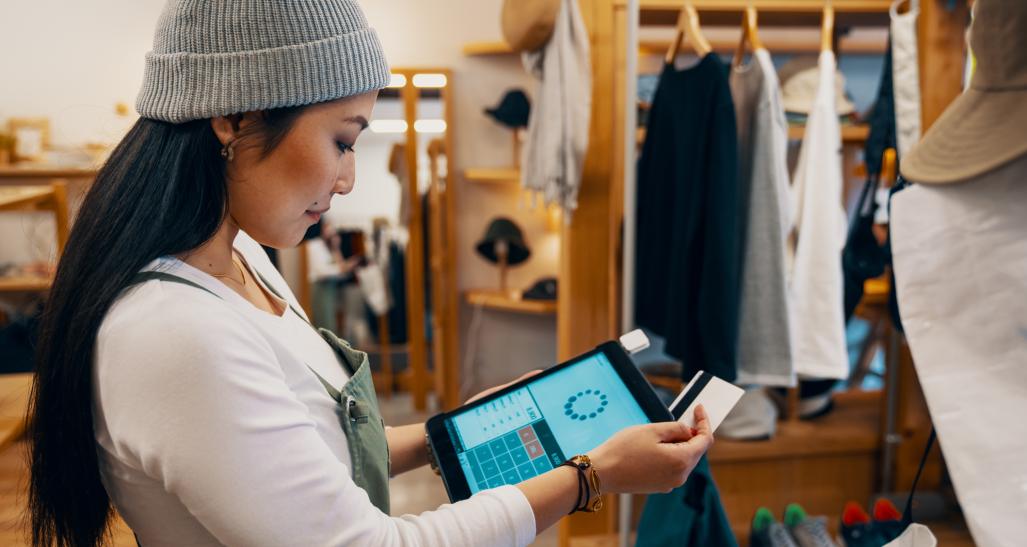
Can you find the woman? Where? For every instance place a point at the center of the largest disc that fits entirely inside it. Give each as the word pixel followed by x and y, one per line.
pixel 177 382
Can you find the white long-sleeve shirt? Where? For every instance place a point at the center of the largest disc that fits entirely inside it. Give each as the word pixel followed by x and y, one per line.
pixel 211 430
pixel 817 288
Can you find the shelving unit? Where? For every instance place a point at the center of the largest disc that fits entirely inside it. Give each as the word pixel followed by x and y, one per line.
pixel 487 48
pixel 25 284
pixel 497 300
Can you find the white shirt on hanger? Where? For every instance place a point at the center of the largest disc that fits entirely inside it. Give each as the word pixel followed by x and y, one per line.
pixel 818 317
pixel 764 333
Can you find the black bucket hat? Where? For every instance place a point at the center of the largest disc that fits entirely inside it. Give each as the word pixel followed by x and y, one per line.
pixel 504 229
pixel 512 110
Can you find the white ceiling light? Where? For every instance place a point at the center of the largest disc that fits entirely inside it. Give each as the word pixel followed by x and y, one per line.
pixel 389 126
pixel 397 80
pixel 429 80
pixel 430 126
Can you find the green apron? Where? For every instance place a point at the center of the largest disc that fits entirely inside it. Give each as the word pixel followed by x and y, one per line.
pixel 356 404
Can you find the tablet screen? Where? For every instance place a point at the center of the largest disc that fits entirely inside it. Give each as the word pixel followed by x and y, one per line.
pixel 532 429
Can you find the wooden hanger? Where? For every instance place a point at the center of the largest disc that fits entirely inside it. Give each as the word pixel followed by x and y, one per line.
pixel 688 27
pixel 750 35
pixel 827 28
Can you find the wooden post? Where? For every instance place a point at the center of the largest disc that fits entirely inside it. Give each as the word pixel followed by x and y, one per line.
pixel 418 348
pixel 517 147
pixel 451 320
pixel 504 264
pixel 588 305
pixel 60 210
pixel 385 353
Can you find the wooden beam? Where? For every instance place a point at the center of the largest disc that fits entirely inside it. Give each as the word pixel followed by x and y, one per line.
pixel 418 356
pixel 589 271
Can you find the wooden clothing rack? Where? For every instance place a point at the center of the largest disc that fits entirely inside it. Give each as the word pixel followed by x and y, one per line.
pixel 594 284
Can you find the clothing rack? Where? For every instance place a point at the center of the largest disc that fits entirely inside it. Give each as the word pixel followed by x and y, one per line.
pixel 594 303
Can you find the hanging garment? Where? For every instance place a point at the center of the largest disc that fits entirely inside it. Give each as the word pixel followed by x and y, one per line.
pixel 689 239
pixel 863 258
pixel 905 75
pixel 819 349
pixel 961 268
pixel 557 138
pixel 690 515
pixel 764 337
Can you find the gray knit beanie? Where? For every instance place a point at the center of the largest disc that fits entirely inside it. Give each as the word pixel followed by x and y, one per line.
pixel 217 57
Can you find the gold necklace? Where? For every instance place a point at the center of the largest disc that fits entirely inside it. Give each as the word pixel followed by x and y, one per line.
pixel 228 276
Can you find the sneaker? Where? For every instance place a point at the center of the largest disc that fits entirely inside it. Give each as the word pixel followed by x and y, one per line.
pixel 767 532
pixel 856 528
pixel 808 531
pixel 887 519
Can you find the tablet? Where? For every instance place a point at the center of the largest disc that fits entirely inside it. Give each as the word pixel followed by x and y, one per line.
pixel 538 423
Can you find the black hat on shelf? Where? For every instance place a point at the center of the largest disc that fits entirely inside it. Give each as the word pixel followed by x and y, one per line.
pixel 512 111
pixel 543 289
pixel 504 229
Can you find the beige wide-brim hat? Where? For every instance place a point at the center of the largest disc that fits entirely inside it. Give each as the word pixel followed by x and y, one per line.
pixel 800 78
pixel 986 126
pixel 528 24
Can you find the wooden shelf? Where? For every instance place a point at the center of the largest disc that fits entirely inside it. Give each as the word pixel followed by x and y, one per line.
pixel 23 197
pixel 14 400
pixel 851 133
pixel 497 300
pixel 30 171
pixel 487 48
pixel 850 428
pixel 25 284
pixel 493 175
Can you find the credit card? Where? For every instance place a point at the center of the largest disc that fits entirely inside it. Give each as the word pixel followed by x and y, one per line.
pixel 715 395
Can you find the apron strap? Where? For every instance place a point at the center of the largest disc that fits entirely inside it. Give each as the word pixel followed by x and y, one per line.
pixel 143 277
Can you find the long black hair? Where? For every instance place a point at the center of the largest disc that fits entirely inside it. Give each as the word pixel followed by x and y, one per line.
pixel 162 192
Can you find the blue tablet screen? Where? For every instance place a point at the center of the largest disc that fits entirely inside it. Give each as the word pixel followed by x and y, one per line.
pixel 529 431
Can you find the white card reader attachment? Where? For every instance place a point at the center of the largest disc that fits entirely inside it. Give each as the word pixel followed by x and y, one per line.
pixel 634 341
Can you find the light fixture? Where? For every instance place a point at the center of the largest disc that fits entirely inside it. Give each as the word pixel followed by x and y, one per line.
pixel 429 80
pixel 397 80
pixel 430 126
pixel 388 126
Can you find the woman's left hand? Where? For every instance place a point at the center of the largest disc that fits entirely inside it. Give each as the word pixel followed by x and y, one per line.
pixel 492 390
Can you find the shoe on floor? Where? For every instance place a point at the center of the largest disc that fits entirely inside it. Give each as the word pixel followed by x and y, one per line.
pixel 808 531
pixel 767 532
pixel 857 530
pixel 887 520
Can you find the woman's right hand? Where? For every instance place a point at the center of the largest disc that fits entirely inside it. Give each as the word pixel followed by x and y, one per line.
pixel 652 458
